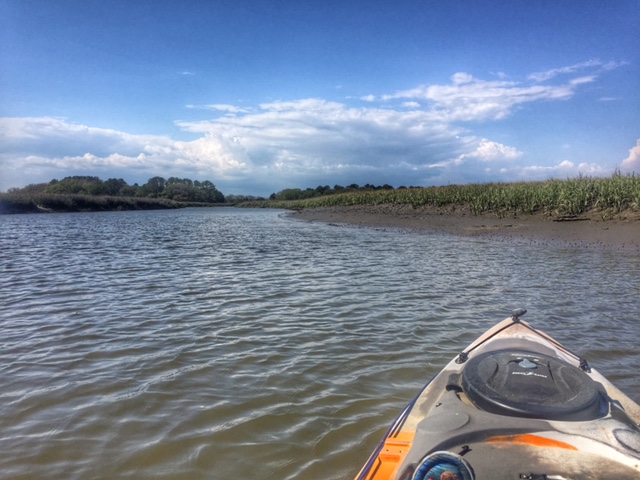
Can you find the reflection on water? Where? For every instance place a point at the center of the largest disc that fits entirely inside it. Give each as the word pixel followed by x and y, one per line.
pixel 226 343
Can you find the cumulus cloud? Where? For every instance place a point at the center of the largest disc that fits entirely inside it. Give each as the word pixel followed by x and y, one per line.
pixel 632 162
pixel 44 147
pixel 57 137
pixel 411 137
pixel 488 151
pixel 315 135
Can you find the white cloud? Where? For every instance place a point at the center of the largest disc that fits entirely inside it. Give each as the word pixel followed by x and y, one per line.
pixel 411 104
pixel 469 99
pixel 564 169
pixel 571 69
pixel 271 146
pixel 554 72
pixel 220 107
pixel 632 162
pixel 325 136
pixel 461 78
pixel 49 148
pixel 488 151
pixel 582 80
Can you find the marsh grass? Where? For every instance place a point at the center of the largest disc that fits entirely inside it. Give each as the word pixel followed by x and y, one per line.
pixel 608 196
pixel 46 202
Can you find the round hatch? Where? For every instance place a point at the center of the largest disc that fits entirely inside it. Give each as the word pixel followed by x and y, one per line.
pixel 443 466
pixel 526 384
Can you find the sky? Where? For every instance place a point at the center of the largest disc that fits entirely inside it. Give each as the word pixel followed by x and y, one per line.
pixel 259 96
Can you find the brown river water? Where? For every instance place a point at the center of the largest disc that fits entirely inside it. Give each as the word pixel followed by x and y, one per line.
pixel 229 343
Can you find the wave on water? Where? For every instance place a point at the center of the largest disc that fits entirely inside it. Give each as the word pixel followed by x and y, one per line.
pixel 227 343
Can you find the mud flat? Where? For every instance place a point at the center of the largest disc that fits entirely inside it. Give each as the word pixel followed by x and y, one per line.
pixel 589 231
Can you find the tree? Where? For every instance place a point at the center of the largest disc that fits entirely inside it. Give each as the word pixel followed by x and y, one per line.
pixel 176 180
pixel 212 194
pixel 129 190
pixel 114 186
pixel 177 191
pixel 78 184
pixel 154 187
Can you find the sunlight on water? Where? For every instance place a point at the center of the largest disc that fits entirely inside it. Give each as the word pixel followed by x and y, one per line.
pixel 226 343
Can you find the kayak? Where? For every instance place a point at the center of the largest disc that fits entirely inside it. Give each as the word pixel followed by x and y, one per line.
pixel 513 405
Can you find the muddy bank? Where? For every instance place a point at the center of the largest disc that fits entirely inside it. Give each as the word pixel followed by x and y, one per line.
pixel 589 231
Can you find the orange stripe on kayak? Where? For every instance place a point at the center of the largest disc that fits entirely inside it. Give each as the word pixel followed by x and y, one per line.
pixel 529 439
pixel 391 456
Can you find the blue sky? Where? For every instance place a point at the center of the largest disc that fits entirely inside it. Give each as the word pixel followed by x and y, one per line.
pixel 258 96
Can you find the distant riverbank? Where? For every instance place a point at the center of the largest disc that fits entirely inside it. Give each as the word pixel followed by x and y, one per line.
pixel 585 230
pixel 52 203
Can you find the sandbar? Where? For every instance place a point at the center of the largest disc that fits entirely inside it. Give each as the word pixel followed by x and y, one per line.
pixel 591 230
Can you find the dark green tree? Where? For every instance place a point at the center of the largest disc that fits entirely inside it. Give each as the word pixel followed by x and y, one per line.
pixel 154 187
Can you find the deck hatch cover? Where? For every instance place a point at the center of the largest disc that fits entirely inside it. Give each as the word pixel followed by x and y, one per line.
pixel 526 384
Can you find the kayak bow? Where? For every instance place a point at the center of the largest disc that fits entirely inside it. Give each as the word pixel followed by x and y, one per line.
pixel 514 405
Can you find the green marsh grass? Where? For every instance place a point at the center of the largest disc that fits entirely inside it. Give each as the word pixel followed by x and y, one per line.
pixel 608 196
pixel 49 202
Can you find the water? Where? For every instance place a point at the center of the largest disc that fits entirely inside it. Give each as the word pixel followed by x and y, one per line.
pixel 227 343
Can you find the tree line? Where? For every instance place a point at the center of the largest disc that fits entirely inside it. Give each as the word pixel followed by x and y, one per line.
pixel 299 194
pixel 173 188
pixel 178 189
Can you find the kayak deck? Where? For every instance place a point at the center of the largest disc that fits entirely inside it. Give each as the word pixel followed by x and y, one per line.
pixel 515 404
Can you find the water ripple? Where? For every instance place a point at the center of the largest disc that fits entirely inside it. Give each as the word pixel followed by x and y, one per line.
pixel 224 343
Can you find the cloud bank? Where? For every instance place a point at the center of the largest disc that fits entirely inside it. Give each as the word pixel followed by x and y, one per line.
pixel 420 136
pixel 632 162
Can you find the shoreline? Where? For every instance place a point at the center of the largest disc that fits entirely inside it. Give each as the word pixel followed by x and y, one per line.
pixel 585 231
